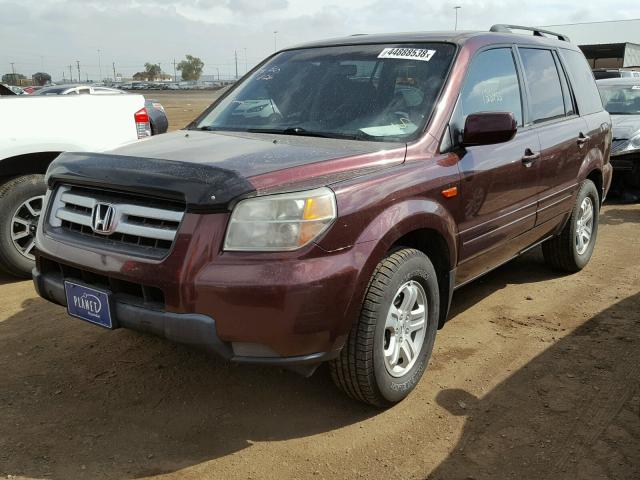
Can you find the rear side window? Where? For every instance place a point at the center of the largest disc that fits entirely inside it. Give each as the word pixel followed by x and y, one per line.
pixel 584 85
pixel 544 85
pixel 492 85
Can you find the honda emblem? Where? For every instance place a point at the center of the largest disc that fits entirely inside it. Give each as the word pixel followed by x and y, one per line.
pixel 103 218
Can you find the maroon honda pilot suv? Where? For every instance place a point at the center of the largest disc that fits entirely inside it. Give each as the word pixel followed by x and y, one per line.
pixel 327 206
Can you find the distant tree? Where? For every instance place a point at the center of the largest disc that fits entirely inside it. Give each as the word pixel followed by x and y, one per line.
pixel 41 78
pixel 191 68
pixel 12 78
pixel 152 70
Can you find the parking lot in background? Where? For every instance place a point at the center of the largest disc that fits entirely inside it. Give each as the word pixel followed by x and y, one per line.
pixel 534 376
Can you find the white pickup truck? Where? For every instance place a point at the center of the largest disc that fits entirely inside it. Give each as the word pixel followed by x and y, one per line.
pixel 33 132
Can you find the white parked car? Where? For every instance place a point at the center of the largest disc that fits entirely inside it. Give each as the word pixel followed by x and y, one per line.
pixel 34 130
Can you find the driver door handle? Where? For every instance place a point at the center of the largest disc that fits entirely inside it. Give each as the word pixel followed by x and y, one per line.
pixel 582 139
pixel 529 157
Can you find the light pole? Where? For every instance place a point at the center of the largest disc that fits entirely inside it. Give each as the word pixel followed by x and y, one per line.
pixel 100 66
pixel 456 9
pixel 246 64
pixel 275 41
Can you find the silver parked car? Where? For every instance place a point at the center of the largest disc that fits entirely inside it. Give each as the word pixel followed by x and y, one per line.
pixel 621 98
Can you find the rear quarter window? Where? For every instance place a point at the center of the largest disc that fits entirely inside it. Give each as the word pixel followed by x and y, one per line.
pixel 583 82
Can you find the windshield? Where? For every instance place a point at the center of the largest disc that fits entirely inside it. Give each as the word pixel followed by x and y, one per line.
pixel 621 99
pixel 370 92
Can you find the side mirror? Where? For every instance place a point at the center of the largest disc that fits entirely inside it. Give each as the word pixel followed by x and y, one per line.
pixel 486 128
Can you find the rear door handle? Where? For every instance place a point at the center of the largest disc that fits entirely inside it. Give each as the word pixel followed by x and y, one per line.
pixel 529 157
pixel 582 139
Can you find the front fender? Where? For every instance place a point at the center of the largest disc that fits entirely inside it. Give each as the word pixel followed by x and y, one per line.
pixel 375 213
pixel 407 216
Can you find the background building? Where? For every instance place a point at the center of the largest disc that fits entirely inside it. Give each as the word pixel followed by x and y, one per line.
pixel 612 44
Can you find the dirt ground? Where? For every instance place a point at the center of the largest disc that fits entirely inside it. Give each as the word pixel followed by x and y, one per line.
pixel 535 376
pixel 182 106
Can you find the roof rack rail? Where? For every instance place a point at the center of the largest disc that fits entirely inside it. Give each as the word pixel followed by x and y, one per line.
pixel 538 32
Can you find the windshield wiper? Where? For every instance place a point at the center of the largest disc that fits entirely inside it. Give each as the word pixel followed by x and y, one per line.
pixel 290 131
pixel 299 131
pixel 360 135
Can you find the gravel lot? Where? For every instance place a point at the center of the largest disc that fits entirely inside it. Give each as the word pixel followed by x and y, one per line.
pixel 536 375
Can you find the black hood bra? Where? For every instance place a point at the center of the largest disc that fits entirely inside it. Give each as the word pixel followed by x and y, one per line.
pixel 203 188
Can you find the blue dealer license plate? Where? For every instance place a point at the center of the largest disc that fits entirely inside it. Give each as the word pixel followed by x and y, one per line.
pixel 88 303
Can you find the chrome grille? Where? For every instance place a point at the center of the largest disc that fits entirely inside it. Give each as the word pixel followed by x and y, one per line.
pixel 135 224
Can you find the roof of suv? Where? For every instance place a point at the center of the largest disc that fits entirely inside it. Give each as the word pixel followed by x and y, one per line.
pixel 458 37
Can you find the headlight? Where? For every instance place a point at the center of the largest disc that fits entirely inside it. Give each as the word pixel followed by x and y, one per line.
pixel 280 222
pixel 634 143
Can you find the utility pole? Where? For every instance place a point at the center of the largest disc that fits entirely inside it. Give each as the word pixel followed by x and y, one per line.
pixel 236 55
pixel 79 76
pixel 13 70
pixel 70 75
pixel 275 41
pixel 246 63
pixel 218 71
pixel 175 74
pixel 99 66
pixel 456 9
pixel 114 71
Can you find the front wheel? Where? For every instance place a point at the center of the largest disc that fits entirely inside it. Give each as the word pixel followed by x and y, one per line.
pixel 389 346
pixel 21 200
pixel 572 249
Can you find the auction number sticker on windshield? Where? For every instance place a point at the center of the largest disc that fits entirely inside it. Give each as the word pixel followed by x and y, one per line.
pixel 408 53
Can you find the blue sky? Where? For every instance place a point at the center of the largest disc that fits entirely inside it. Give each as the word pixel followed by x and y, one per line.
pixel 49 35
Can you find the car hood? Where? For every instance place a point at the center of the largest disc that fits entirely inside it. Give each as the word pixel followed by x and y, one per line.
pixel 625 126
pixel 209 170
pixel 247 154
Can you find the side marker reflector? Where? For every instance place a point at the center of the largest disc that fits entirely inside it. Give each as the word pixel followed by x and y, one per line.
pixel 450 192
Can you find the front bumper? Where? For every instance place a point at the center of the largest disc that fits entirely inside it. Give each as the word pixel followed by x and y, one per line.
pixel 625 162
pixel 285 308
pixel 194 330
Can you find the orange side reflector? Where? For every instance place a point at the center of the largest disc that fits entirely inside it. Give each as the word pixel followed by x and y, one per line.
pixel 450 192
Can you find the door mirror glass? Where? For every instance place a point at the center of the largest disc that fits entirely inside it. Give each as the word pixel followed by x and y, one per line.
pixel 486 128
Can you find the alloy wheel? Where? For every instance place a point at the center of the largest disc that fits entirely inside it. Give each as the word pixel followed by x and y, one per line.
pixel 24 224
pixel 405 328
pixel 584 225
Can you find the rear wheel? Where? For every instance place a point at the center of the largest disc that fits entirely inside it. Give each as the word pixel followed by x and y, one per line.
pixel 572 249
pixel 388 348
pixel 21 201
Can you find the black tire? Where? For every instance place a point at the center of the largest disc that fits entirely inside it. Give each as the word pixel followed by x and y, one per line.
pixel 360 369
pixel 561 252
pixel 12 195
